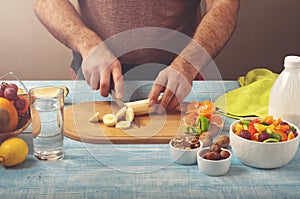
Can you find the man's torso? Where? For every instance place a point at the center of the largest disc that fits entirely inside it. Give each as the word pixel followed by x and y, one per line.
pixel 108 18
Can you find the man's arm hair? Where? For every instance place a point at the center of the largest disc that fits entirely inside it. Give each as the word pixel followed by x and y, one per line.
pixel 64 23
pixel 212 33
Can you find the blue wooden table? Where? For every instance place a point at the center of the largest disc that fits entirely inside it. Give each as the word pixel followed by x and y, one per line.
pixel 139 171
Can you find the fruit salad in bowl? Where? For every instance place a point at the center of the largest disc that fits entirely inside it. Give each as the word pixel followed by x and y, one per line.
pixel 265 143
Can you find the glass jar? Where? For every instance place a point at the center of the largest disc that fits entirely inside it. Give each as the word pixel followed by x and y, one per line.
pixel 285 93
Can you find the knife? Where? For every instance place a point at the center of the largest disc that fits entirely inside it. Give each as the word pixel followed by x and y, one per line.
pixel 119 102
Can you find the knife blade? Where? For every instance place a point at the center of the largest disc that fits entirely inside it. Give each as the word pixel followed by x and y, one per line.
pixel 120 103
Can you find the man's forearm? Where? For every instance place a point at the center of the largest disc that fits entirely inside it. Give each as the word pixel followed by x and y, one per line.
pixel 217 25
pixel 64 23
pixel 212 33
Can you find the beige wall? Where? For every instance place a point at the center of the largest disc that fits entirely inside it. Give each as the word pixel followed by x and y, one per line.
pixel 26 48
pixel 267 31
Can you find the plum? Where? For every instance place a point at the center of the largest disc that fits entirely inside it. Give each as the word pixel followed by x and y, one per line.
pixel 245 134
pixel 14 86
pixel 10 94
pixel 263 136
pixel 20 103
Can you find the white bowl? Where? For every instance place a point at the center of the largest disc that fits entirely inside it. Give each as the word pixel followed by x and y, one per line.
pixel 212 167
pixel 184 156
pixel 263 155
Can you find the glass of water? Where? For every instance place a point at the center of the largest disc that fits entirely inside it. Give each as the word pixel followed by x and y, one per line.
pixel 47 107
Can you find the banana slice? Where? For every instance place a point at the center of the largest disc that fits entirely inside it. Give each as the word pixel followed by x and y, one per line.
pixel 123 125
pixel 121 113
pixel 95 118
pixel 129 114
pixel 110 119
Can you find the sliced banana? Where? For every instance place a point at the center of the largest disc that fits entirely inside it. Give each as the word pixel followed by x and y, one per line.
pixel 121 113
pixel 123 125
pixel 110 119
pixel 95 118
pixel 129 114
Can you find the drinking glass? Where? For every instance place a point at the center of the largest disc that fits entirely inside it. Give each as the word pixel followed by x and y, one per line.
pixel 46 107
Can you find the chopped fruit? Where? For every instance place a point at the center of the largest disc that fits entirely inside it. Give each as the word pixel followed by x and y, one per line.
pixel 95 118
pixel 110 119
pixel 123 125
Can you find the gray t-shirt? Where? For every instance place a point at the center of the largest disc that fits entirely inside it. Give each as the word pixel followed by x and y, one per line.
pixel 112 17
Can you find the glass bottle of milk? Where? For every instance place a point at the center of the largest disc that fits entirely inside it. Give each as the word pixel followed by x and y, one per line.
pixel 285 93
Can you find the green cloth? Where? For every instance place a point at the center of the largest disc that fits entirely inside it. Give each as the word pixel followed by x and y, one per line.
pixel 252 98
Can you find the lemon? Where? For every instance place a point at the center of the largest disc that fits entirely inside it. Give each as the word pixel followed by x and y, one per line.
pixel 13 151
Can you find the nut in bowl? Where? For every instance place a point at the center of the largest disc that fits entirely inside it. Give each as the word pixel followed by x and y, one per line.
pixel 184 148
pixel 265 143
pixel 217 164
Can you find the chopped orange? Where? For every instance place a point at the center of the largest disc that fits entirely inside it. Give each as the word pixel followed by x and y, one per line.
pixel 277 122
pixel 255 137
pixel 268 119
pixel 282 128
pixel 207 106
pixel 283 135
pixel 290 135
pixel 204 113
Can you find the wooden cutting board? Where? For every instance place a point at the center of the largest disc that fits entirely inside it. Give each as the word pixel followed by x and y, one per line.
pixel 154 129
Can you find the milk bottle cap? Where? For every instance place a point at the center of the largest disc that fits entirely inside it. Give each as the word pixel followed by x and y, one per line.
pixel 292 62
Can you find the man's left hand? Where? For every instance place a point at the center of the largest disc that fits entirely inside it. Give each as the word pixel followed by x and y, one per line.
pixel 175 85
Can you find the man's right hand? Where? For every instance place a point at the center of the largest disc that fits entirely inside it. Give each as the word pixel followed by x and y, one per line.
pixel 99 66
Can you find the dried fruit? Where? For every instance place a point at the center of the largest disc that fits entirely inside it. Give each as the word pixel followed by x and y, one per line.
pixel 223 141
pixel 224 154
pixel 212 155
pixel 216 148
